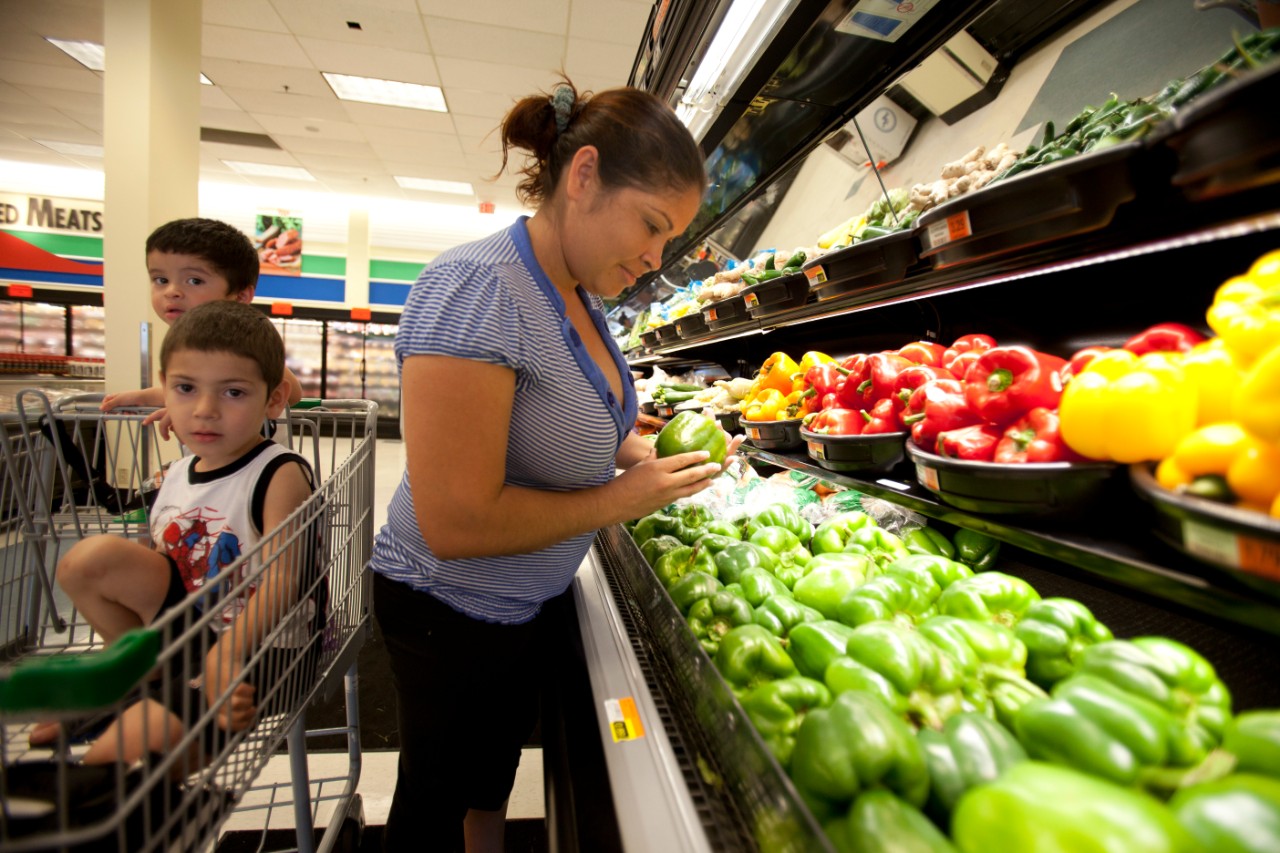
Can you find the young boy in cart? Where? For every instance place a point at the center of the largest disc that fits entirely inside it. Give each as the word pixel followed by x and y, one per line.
pixel 222 367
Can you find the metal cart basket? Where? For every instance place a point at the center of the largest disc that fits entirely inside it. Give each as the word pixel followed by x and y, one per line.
pixel 71 472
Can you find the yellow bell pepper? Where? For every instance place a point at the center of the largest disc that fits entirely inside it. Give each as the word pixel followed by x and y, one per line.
pixel 1256 403
pixel 1128 408
pixel 1246 310
pixel 1275 508
pixel 1250 466
pixel 812 359
pixel 777 372
pixel 1213 370
pixel 767 406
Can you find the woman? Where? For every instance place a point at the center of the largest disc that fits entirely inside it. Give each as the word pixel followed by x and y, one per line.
pixel 517 407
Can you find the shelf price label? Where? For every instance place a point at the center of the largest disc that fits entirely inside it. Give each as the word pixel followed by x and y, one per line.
pixel 816 275
pixel 928 477
pixel 954 227
pixel 710 315
pixel 624 719
pixel 753 433
pixel 1258 556
pixel 817 450
pixel 751 300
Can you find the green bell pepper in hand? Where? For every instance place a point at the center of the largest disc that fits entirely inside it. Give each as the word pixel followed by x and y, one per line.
pixel 713 617
pixel 988 597
pixel 1169 674
pixel 678 562
pixel 833 534
pixel 778 614
pixel 814 645
pixel 1040 808
pixel 971 749
pixel 750 656
pixel 777 708
pixel 784 516
pixel 735 559
pixel 879 822
pixel 654 548
pixel 976 550
pixel 1254 739
pixel 1056 632
pixel 825 587
pixel 758 585
pixel 888 597
pixel 928 541
pixel 856 744
pixel 927 570
pixel 1238 814
pixel 691 587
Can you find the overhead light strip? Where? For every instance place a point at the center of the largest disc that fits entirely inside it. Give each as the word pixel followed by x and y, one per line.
pixel 391 93
pixel 269 170
pixel 92 55
pixel 435 186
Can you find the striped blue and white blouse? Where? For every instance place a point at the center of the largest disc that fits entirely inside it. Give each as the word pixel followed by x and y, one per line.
pixel 489 301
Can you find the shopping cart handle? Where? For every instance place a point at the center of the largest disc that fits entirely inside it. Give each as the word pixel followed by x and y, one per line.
pixel 307 403
pixel 80 682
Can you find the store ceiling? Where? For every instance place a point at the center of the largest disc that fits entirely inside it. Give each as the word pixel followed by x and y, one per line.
pixel 265 59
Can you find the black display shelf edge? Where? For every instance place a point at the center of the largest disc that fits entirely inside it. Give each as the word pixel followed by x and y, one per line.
pixel 1143 564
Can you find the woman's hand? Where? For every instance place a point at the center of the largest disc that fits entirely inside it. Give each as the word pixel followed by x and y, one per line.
pixel 654 482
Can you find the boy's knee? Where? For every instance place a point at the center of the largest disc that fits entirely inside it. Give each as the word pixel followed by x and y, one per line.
pixel 86 562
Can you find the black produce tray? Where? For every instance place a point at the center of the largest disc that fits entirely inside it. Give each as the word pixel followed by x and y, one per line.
pixel 1228 140
pixel 864 265
pixel 691 325
pixel 650 338
pixel 1029 489
pixel 1245 543
pixel 773 435
pixel 728 420
pixel 649 407
pixel 667 334
pixel 726 313
pixel 1067 198
pixel 878 452
pixel 776 295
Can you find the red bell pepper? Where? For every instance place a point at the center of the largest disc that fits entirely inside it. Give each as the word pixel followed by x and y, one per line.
pixel 1080 360
pixel 977 344
pixel 937 406
pixel 977 442
pixel 835 422
pixel 1164 337
pixel 1035 438
pixel 960 365
pixel 884 369
pixel 882 418
pixel 849 396
pixel 824 379
pixel 923 352
pixel 911 379
pixel 1008 382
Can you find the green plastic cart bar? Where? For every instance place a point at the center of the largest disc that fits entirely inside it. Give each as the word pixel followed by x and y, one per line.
pixel 80 682
pixel 307 403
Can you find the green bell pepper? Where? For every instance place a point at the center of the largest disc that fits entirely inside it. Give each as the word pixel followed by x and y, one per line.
pixel 784 516
pixel 833 534
pixel 988 597
pixel 750 656
pixel 713 617
pixel 856 744
pixel 927 570
pixel 714 542
pixel 776 538
pixel 777 708
pixel 929 541
pixel 778 614
pixel 1254 739
pixel 1238 814
pixel 691 587
pixel 1097 727
pixel 1169 674
pixel 1056 632
pixel 721 527
pixel 879 822
pixel 825 587
pixel 678 562
pixel 981 649
pixel 814 645
pixel 976 550
pixel 758 585
pixel 735 559
pixel 693 515
pixel 971 749
pixel 1009 693
pixel 1040 808
pixel 689 431
pixel 888 597
pixel 877 543
pixel 654 548
pixel 659 524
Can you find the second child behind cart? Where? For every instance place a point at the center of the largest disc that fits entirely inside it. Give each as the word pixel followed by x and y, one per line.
pixel 222 368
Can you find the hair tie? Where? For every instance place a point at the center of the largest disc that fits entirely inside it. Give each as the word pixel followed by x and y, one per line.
pixel 562 100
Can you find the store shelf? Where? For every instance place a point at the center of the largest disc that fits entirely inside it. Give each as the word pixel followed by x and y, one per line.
pixel 1112 540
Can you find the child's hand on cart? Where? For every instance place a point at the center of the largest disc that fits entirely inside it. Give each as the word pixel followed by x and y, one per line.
pixel 164 423
pixel 221 668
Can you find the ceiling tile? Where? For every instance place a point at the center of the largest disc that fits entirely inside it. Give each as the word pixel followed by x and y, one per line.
pixel 279 104
pixel 67 20
pixel 540 16
pixel 478 127
pixel 494 44
pixel 251 14
pixel 14 95
pixel 311 144
pixel 249 153
pixel 418 154
pixel 213 97
pixel 11 143
pixel 316 163
pixel 517 80
pixel 237 74
pixel 66 99
pixel 372 61
pixel 252 46
pixel 292 126
pixel 93 120
pixel 61 133
pixel 377 115
pixel 395 28
pixel 77 78
pixel 235 119
pixel 29 46
pixel 613 21
pixel 469 102
pixel 37 115
pixel 439 143
pixel 589 59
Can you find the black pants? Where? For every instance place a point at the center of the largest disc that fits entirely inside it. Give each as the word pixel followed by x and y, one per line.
pixel 469 693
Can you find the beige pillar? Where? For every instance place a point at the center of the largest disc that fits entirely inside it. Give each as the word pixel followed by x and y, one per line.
pixel 357 292
pixel 151 133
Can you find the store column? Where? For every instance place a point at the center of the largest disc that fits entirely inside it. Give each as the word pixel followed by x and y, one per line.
pixel 358 252
pixel 151 132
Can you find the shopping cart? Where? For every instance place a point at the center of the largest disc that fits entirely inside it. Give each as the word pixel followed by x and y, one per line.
pixel 70 471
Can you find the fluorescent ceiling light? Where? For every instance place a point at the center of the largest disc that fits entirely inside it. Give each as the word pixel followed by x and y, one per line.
pixel 371 90
pixel 74 148
pixel 431 185
pixel 88 54
pixel 205 80
pixel 267 170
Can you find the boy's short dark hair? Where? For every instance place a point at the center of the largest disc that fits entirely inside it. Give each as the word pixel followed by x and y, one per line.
pixel 228 249
pixel 233 327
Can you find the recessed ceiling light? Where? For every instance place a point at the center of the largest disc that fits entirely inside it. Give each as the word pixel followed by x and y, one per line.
pixel 431 185
pixel 74 148
pixel 372 90
pixel 268 170
pixel 88 54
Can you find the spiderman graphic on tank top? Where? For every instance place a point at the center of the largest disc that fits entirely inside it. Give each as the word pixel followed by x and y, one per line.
pixel 202 545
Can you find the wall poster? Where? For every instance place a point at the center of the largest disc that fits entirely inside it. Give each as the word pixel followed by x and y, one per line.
pixel 278 239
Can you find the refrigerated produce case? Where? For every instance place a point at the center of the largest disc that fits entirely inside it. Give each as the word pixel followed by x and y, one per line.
pixel 712 783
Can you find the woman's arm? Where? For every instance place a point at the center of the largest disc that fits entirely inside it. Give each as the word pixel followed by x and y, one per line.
pixel 456 458
pixel 634 449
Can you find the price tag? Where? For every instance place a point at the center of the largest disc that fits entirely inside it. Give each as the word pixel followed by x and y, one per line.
pixel 1246 553
pixel 753 433
pixel 751 300
pixel 710 315
pixel 816 450
pixel 928 477
pixel 816 275
pixel 954 227
pixel 624 719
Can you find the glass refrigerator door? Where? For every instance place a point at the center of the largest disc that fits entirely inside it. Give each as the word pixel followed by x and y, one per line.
pixel 344 362
pixel 44 328
pixel 88 331
pixel 303 348
pixel 381 379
